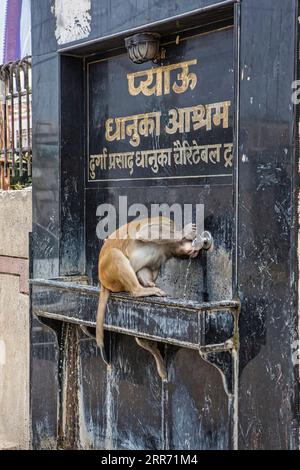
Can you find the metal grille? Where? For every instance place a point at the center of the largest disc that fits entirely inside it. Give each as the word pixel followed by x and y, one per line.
pixel 15 123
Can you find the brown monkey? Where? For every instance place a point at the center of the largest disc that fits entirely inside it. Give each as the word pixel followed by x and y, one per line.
pixel 131 257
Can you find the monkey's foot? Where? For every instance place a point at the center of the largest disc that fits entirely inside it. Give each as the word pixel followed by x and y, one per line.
pixel 150 284
pixel 148 291
pixel 146 282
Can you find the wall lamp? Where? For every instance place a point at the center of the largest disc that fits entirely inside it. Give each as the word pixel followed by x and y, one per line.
pixel 142 47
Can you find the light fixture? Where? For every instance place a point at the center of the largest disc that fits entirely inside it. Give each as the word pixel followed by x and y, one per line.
pixel 142 47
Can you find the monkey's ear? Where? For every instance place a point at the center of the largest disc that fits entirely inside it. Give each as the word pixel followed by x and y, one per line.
pixel 158 232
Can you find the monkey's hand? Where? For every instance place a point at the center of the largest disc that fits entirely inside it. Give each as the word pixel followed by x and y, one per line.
pixel 189 232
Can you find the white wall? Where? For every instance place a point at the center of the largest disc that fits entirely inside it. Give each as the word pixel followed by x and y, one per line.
pixel 15 223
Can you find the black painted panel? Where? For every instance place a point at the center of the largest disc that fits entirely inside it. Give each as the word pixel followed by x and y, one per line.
pixel 45 177
pixel 44 386
pixel 210 58
pixel 135 389
pixel 267 260
pixel 93 398
pixel 195 388
pixel 72 163
pixel 103 18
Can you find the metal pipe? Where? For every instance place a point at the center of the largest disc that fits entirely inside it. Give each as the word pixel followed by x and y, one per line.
pixel 4 77
pixel 26 64
pixel 12 137
pixel 19 90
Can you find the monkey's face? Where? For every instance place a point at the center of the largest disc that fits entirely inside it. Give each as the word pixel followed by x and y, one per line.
pixel 184 249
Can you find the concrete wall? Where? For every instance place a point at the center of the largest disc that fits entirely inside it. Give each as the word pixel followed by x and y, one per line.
pixel 15 223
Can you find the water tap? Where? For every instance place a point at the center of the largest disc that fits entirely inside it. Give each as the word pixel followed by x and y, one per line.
pixel 203 241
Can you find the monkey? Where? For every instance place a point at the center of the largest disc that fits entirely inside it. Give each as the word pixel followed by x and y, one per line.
pixel 130 260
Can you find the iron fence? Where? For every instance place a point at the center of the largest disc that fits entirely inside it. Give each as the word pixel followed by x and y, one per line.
pixel 15 124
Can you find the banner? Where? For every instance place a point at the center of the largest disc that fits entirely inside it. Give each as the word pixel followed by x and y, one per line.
pixel 15 30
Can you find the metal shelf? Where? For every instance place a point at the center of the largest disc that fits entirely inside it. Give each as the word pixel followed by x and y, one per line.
pixel 207 326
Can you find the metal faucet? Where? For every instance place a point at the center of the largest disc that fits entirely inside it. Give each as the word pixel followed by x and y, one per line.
pixel 203 241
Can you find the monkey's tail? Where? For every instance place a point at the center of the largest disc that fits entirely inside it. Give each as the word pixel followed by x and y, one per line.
pixel 104 296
